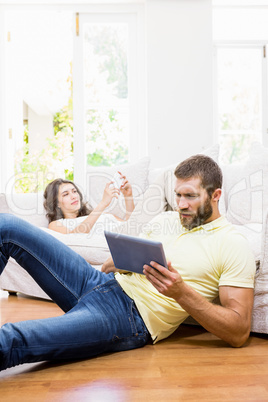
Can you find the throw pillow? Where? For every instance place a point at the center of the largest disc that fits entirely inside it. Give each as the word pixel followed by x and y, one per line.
pixel 246 187
pixel 149 204
pixel 98 177
pixel 253 233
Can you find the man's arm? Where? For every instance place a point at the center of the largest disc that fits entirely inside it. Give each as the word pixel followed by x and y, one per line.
pixel 230 321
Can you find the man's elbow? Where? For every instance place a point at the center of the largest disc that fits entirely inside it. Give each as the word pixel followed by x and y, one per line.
pixel 239 339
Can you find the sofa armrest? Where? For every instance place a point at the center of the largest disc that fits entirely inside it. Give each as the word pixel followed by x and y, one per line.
pixel 28 206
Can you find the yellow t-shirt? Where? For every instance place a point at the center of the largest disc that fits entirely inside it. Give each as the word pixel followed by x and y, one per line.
pixel 206 257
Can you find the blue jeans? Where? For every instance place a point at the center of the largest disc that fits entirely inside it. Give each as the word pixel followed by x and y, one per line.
pixel 99 317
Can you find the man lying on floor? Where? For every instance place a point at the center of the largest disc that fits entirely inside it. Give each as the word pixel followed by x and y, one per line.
pixel 110 311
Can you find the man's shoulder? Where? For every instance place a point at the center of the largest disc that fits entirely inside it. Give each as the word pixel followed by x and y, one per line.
pixel 232 238
pixel 220 225
pixel 225 233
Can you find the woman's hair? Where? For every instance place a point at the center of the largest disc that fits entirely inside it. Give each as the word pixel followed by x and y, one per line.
pixel 203 167
pixel 51 206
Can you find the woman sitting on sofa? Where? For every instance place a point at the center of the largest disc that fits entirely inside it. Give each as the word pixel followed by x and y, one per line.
pixel 68 213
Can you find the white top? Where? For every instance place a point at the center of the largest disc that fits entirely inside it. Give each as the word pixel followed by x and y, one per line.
pixel 104 222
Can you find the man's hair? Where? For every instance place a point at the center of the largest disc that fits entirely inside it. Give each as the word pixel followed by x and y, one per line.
pixel 203 167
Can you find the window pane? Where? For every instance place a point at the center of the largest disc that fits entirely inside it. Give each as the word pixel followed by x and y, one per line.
pixel 239 100
pixel 106 93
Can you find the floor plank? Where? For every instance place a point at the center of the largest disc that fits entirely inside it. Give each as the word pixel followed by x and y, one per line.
pixel 191 365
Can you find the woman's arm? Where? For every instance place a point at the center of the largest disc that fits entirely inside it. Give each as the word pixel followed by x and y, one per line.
pixel 86 226
pixel 126 190
pixel 109 193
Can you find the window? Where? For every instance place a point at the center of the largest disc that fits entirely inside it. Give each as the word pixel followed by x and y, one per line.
pixel 239 99
pixel 240 79
pixel 71 89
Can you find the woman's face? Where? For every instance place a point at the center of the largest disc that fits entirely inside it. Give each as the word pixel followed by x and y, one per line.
pixel 69 200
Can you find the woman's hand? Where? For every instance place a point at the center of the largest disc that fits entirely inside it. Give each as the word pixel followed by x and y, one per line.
pixel 109 193
pixel 126 188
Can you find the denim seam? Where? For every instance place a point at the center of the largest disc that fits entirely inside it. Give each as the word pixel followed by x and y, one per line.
pixel 98 288
pixel 132 320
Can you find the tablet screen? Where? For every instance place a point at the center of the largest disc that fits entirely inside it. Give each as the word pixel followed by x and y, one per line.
pixel 131 253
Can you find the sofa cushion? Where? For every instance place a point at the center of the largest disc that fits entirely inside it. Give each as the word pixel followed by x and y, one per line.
pixel 246 188
pixel 253 233
pixel 29 207
pixel 149 204
pixel 4 208
pixel 93 248
pixel 97 177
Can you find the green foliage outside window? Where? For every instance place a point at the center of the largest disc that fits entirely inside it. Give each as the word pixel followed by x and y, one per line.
pixel 34 170
pixel 103 139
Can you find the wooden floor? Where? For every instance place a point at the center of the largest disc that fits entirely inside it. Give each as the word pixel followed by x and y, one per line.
pixel 192 365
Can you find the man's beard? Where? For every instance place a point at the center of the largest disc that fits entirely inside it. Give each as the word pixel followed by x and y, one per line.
pixel 203 213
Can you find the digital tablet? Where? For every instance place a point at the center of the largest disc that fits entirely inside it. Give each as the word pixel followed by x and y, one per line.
pixel 131 253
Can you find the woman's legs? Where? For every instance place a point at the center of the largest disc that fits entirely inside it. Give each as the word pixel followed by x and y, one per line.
pixel 59 271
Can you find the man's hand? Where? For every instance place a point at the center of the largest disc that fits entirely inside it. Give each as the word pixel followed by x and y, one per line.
pixel 229 321
pixel 108 266
pixel 166 281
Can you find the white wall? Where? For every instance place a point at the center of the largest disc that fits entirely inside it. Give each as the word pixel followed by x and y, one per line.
pixel 179 68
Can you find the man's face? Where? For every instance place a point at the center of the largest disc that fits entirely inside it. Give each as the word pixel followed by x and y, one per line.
pixel 193 203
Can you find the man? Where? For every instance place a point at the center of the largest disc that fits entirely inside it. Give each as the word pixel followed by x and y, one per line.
pixel 111 311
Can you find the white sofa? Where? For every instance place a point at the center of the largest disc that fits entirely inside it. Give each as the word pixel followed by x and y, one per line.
pixel 244 202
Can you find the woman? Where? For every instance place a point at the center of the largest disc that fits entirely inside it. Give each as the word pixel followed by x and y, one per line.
pixel 68 213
